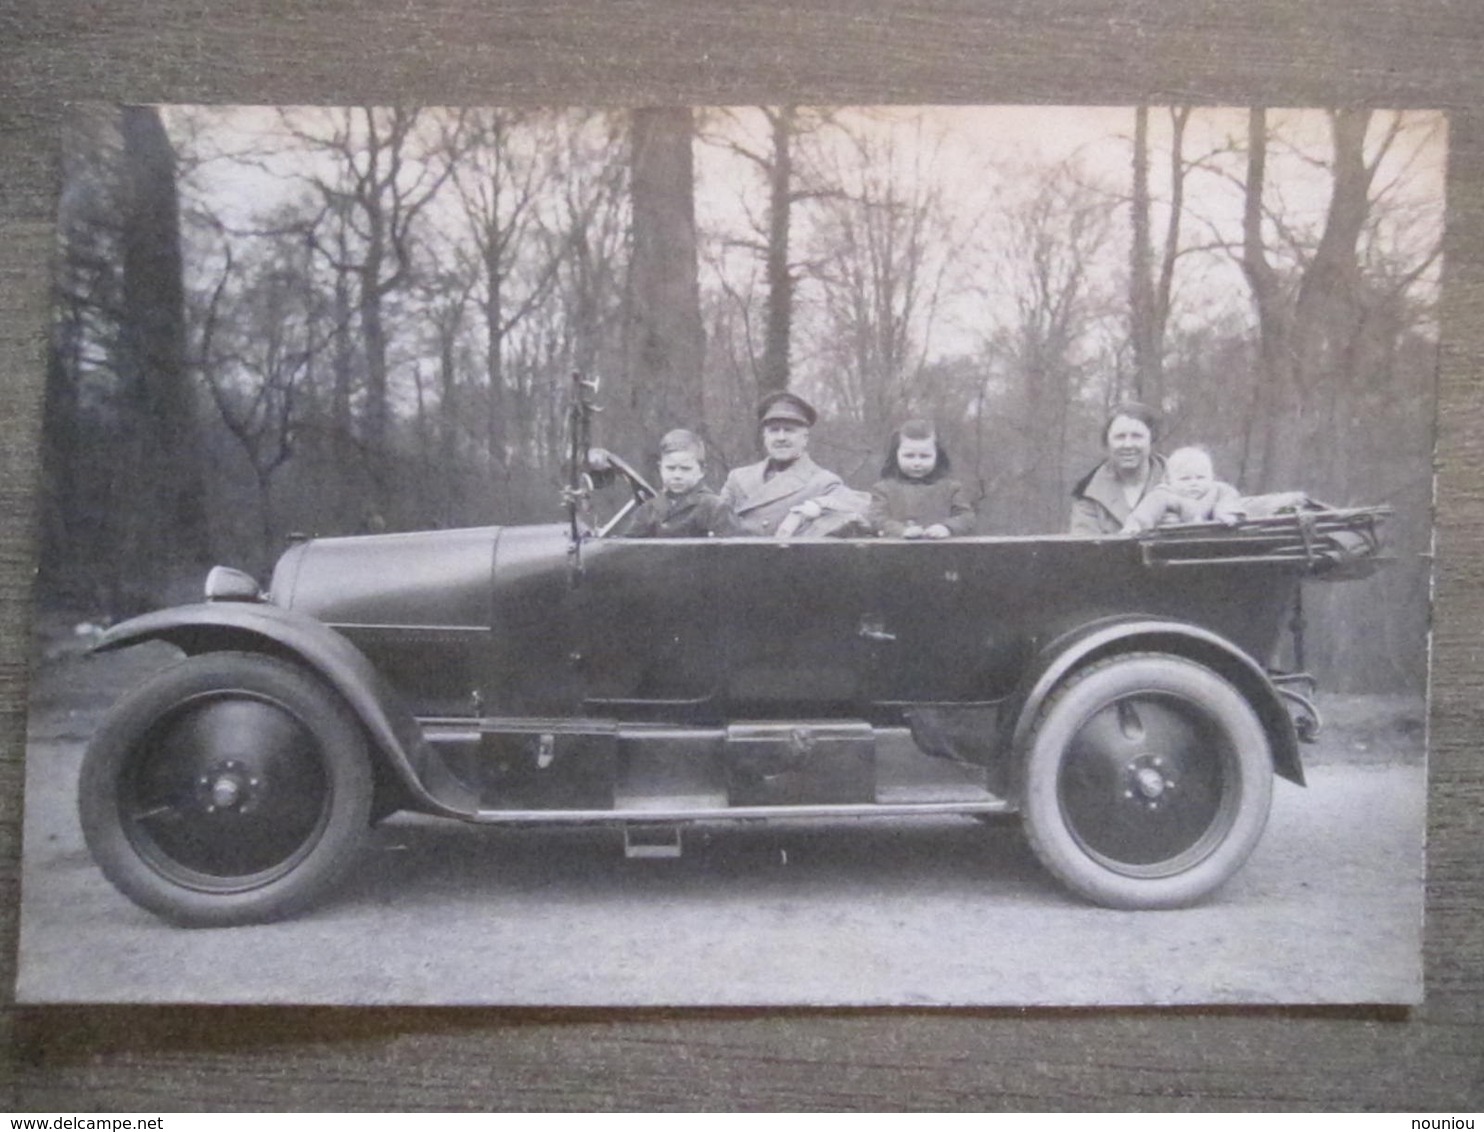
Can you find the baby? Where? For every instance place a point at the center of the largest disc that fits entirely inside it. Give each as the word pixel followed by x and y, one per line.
pixel 685 508
pixel 1191 493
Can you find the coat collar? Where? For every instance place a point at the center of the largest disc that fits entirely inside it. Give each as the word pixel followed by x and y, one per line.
pixel 1102 487
pixel 784 483
pixel 686 498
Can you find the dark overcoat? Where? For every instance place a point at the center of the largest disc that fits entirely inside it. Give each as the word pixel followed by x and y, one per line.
pixel 897 502
pixel 698 513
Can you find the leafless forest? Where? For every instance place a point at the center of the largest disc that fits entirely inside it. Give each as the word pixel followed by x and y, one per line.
pixel 310 320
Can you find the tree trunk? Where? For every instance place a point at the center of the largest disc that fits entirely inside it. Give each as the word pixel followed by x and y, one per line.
pixel 1327 310
pixel 1141 289
pixel 171 509
pixel 62 501
pixel 377 414
pixel 664 339
pixel 1260 438
pixel 344 495
pixel 495 410
pixel 779 273
pixel 1303 345
pixel 449 493
pixel 1164 286
pixel 1150 291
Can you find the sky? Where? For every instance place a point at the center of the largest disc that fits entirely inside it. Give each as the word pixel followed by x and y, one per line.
pixel 984 162
pixel 988 158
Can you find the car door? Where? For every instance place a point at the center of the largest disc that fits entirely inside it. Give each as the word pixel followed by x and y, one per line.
pixel 943 619
pixel 792 613
pixel 646 627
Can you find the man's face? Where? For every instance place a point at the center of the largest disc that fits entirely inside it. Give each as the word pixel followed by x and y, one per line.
pixel 680 471
pixel 1190 474
pixel 785 441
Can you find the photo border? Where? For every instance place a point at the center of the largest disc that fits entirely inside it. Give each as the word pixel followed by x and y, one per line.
pixel 1383 54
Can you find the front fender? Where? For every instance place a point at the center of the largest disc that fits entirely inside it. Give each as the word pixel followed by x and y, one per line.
pixel 395 734
pixel 1056 660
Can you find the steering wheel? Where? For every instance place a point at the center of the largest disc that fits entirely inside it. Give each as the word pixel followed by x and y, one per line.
pixel 640 489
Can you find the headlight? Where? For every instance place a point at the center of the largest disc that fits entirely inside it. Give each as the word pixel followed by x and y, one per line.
pixel 226 584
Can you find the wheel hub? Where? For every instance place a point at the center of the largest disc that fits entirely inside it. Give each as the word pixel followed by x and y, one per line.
pixel 228 786
pixel 225 791
pixel 1141 783
pixel 1148 780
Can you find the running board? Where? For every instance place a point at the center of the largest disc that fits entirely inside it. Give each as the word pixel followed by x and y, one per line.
pixel 740 813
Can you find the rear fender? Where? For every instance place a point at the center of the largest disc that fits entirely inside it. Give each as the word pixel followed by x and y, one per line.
pixel 1064 654
pixel 395 735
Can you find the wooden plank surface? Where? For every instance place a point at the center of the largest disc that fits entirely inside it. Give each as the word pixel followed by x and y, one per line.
pixel 1376 52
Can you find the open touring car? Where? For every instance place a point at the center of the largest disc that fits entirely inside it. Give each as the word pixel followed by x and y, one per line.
pixel 1115 692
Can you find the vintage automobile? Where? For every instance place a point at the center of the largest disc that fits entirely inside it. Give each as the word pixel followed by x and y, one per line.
pixel 1115 692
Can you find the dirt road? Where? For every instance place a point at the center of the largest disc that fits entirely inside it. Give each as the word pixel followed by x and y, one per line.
pixel 927 911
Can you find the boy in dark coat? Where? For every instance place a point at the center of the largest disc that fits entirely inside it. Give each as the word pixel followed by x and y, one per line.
pixel 686 508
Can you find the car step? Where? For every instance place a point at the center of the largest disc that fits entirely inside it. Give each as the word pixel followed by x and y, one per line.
pixel 651 840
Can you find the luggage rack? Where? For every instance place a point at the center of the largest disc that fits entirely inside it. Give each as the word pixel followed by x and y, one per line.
pixel 1330 541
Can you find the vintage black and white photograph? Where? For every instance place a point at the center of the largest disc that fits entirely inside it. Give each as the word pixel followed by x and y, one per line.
pixel 867 555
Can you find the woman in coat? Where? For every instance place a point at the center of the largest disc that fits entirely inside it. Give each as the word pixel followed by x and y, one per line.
pixel 1104 498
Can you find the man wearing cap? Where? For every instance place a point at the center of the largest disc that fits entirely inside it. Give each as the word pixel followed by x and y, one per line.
pixel 788 493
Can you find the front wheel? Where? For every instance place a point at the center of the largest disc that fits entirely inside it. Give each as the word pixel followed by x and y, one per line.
pixel 232 788
pixel 1147 781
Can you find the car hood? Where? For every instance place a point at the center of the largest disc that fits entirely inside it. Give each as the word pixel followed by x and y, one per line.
pixel 427 578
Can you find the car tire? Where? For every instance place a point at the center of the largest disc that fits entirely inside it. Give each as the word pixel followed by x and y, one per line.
pixel 1147 781
pixel 233 788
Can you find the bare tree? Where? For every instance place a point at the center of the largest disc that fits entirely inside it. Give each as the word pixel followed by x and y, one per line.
pixel 261 328
pixel 511 163
pixel 446 299
pixel 385 171
pixel 665 340
pixel 779 272
pixel 151 358
pixel 1341 401
pixel 783 170
pixel 880 258
pixel 1307 316
pixel 1151 276
pixel 76 465
pixel 577 261
pixel 1049 244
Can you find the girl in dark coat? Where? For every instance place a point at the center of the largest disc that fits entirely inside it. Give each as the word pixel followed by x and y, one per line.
pixel 915 497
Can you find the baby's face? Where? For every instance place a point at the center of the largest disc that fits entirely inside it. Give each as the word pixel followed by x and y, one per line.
pixel 680 471
pixel 1190 474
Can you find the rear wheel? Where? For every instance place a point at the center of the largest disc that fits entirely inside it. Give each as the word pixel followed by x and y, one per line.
pixel 1147 781
pixel 233 788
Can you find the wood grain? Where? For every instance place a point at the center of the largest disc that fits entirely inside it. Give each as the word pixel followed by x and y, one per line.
pixel 1281 52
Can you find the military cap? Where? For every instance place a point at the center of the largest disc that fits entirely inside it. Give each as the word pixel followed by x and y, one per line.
pixel 785 406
